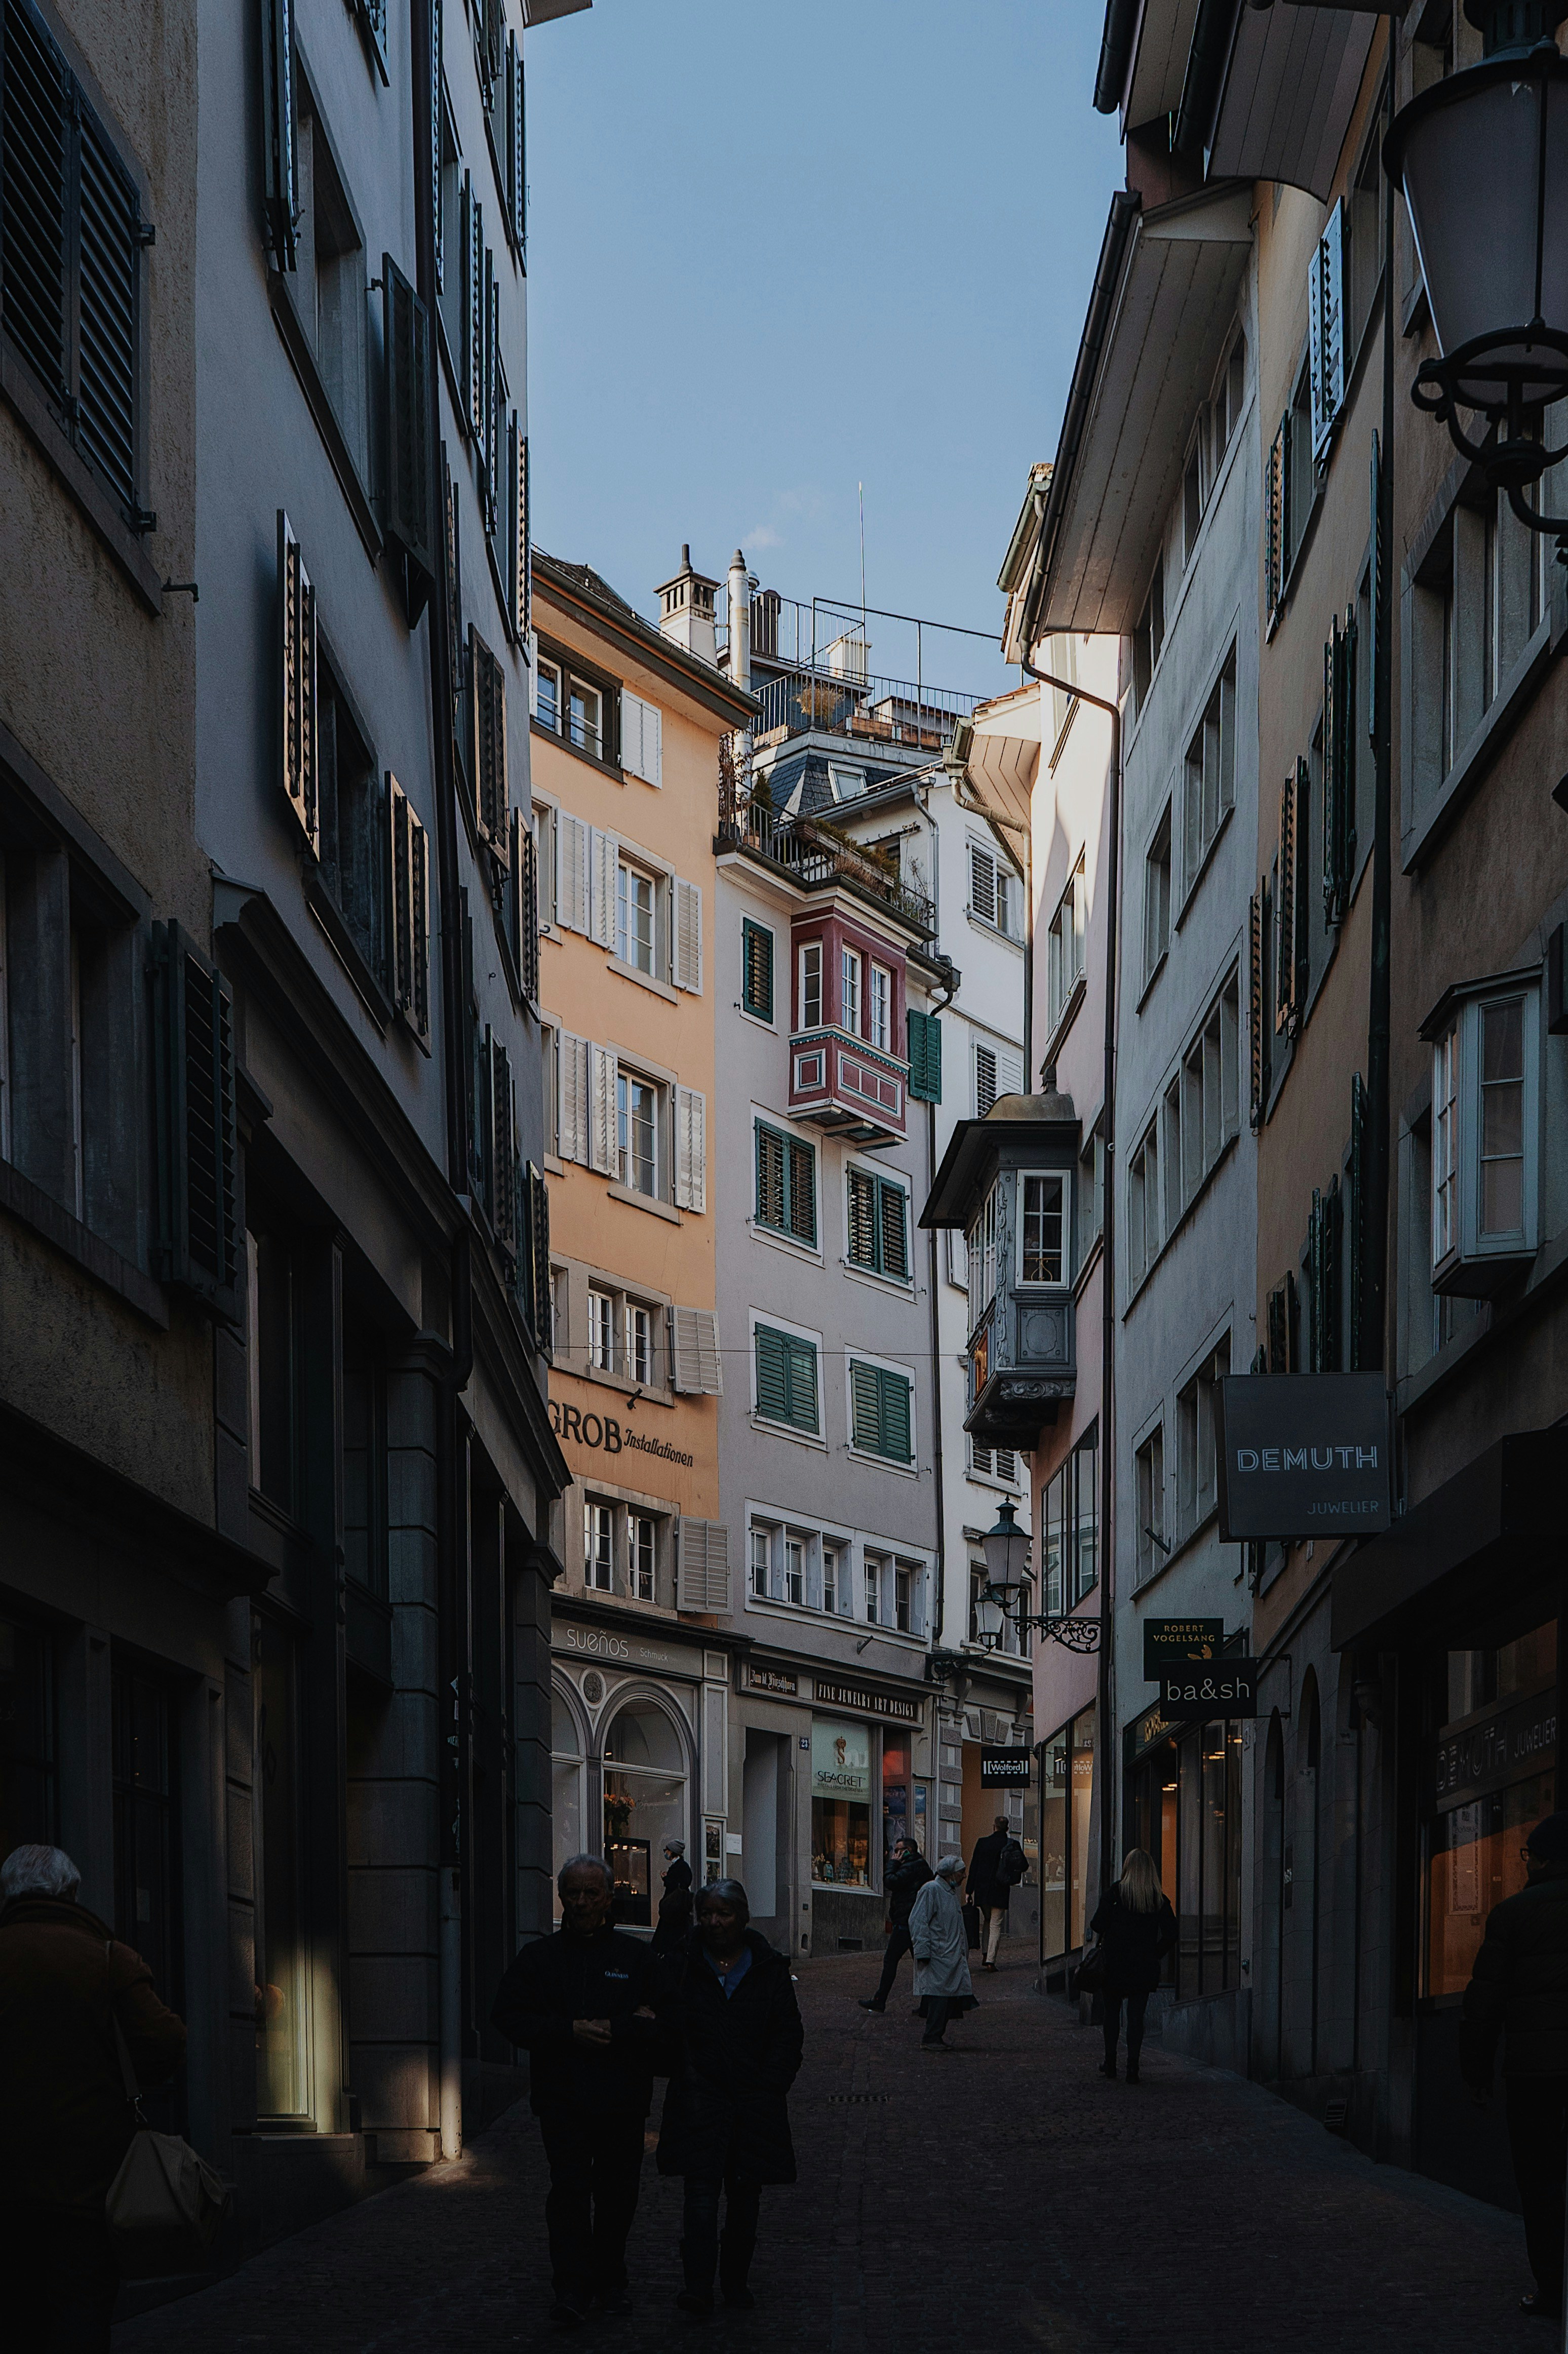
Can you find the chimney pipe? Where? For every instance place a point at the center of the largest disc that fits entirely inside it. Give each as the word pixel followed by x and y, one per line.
pixel 739 623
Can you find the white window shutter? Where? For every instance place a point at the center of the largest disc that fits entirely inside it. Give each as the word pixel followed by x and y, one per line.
pixel 605 860
pixel 702 1582
pixel 1009 1073
pixel 691 1148
pixel 1334 311
pixel 572 1116
pixel 653 744
pixel 603 1073
pixel 572 897
pixel 632 710
pixel 982 883
pixel 1315 339
pixel 686 938
pixel 697 1365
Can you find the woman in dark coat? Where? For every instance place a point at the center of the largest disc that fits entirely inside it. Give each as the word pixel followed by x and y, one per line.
pixel 1137 1929
pixel 734 2030
pixel 676 1904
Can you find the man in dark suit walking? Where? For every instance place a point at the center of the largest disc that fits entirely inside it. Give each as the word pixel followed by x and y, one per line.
pixel 905 1879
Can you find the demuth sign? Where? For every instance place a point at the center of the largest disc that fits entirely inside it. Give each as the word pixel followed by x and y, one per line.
pixel 1303 1455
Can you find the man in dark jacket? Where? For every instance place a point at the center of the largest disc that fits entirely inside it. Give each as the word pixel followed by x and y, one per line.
pixel 65 2123
pixel 1519 1990
pixel 580 2005
pixel 676 1904
pixel 905 1879
pixel 733 2025
pixel 996 1867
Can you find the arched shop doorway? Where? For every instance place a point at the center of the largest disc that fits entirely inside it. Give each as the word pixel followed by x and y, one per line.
pixel 646 1802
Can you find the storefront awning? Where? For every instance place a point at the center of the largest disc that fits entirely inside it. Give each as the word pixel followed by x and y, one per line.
pixel 1503 1512
pixel 1181 278
pixel 1289 92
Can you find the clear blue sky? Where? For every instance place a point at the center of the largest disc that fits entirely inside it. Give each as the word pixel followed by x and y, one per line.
pixel 777 250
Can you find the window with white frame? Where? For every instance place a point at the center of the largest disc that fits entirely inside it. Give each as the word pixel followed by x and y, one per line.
pixel 1196 1460
pixel 639 1343
pixel 1143 1206
pixel 625 1334
pixel 599 1547
pixel 1485 1135
pixel 1157 897
pixel 876 1574
pixel 998 1463
pixel 1065 947
pixel 761 1561
pixel 638 1109
pixel 996 895
pixel 1200 1113
pixel 792 1582
pixel 849 990
pixel 584 717
pixel 832 1575
pixel 847 784
pixel 636 906
pixel 881 1008
pixel 1209 774
pixel 1479 595
pixel 642 1550
pixel 1149 1468
pixel 804 1567
pixel 601 1331
pixel 810 965
pixel 577 708
pixel 981 1242
pixel 1070 1513
pixel 1043 1230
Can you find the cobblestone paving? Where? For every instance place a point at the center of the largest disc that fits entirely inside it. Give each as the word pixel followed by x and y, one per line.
pixel 996 2200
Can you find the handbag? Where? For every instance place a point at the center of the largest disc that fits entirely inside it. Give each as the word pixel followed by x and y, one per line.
pixel 972 1932
pixel 165 2205
pixel 1089 1977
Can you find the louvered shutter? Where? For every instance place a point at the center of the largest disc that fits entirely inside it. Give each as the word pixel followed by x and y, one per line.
pixel 454 584
pixel 602 1131
pixel 925 1058
pixel 800 1380
pixel 517 561
pixel 575 839
pixel 756 970
pixel 985 1080
pixel 476 309
pixel 436 55
pixel 297 612
pixel 894 1415
pixel 279 153
pixel 691 1148
pixel 543 1317
pixel 1315 346
pixel 605 862
pixel 504 1216
pixel 982 883
pixel 687 936
pixel 772 1373
pixel 1009 1073
pixel 1284 977
pixel 35 94
pixel 1254 1008
pixel 703 1579
pixel 108 292
pixel 197 1240
pixel 573 1124
pixel 770 1204
pixel 1356 1220
pixel 1303 915
pixel 695 1359
pixel 517 146
pixel 1328 373
pixel 527 870
pixel 495 399
pixel 801 1165
pixel 405 328
pixel 865 1407
pixel 632 710
pixel 1274 519
pixel 487 700
pixel 893 1229
pixel 861 1219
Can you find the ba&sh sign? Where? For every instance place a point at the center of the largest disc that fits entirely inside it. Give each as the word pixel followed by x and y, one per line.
pixel 1303 1455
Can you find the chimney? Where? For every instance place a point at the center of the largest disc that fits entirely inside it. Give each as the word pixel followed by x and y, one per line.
pixel 739 623
pixel 686 610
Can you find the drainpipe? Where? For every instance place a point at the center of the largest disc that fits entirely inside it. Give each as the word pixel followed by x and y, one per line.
pixel 1105 1709
pixel 452 1455
pixel 949 991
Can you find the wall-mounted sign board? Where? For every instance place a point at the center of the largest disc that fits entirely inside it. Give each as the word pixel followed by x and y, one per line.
pixel 1303 1455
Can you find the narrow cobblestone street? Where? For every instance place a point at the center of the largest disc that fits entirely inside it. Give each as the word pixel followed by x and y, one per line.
pixel 1001 2197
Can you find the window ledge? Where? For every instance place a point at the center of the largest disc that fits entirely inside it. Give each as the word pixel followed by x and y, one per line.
pixel 604 1377
pixel 1091 1259
pixel 1193 888
pixel 763 1424
pixel 1485 743
pixel 992 931
pixel 1182 1550
pixel 563 744
pixel 297 343
pixel 645 980
pixel 789 1244
pixel 96 501
pixel 882 1463
pixel 629 1193
pixel 1063 1024
pixel 346 949
pixel 902 1287
pixel 1160 961
pixel 45 1218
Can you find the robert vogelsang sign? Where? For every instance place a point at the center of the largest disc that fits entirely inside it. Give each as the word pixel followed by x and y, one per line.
pixel 1303 1455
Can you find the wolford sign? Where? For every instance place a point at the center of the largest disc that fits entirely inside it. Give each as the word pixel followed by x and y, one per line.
pixel 1303 1455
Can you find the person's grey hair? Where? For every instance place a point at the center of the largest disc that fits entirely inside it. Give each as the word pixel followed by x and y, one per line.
pixel 728 1891
pixel 39 1872
pixel 674 1846
pixel 950 1867
pixel 575 1863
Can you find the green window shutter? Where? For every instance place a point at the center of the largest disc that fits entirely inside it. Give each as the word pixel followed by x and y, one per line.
pixel 800 1163
pixel 861 1219
pixel 895 1417
pixel 772 1375
pixel 197 1243
pixel 925 1058
pixel 802 1364
pixel 893 1234
pixel 769 1177
pixel 756 970
pixel 865 1403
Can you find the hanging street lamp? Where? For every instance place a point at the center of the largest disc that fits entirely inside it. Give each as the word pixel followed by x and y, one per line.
pixel 1482 158
pixel 1006 1550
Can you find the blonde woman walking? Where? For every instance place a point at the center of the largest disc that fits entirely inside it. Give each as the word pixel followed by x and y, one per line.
pixel 1137 1929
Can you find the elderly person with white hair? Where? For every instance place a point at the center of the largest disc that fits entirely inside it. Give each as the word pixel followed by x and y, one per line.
pixel 941 1953
pixel 66 1983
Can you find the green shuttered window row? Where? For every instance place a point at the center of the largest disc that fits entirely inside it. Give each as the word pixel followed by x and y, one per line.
pixel 786 1184
pixel 787 1380
pixel 925 1058
pixel 882 1420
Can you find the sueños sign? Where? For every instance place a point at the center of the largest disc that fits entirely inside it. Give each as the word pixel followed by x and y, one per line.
pixel 1303 1455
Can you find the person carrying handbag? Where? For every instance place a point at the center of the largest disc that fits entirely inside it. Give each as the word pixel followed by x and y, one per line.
pixel 71 1995
pixel 1136 1929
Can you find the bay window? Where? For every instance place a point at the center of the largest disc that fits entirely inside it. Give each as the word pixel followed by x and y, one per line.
pixel 1486 1122
pixel 849 990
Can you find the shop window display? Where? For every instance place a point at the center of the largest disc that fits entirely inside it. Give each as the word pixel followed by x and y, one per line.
pixel 1501 1710
pixel 644 1805
pixel 840 1803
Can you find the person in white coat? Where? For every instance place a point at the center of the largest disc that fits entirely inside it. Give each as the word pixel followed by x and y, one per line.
pixel 941 1953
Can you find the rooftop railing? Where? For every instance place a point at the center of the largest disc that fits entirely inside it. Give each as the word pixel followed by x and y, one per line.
pixel 816 854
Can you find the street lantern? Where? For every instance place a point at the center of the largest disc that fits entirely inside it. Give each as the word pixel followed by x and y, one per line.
pixel 1483 157
pixel 1006 1551
pixel 988 1618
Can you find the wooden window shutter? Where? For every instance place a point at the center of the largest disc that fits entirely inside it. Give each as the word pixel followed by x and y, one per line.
pixel 603 1071
pixel 861 1219
pixel 604 862
pixel 1301 922
pixel 406 325
pixel 454 581
pixel 1255 1014
pixel 437 53
pixel 517 561
pixel 109 257
pixel 1282 1327
pixel 1285 1015
pixel 487 704
pixel 574 837
pixel 982 883
pixel 573 1123
pixel 1274 519
pixel 526 867
pixel 893 1229
pixel 894 1415
pixel 865 1407
pixel 279 154
pixel 703 1576
pixel 503 1190
pixel 541 1307
pixel 696 1362
pixel 199 1226
pixel 1315 346
pixel 925 1058
pixel 756 970
pixel 375 14
pixel 494 401
pixel 517 146
pixel 411 911
pixel 770 1201
pixel 1374 592
pixel 800 1164
pixel 297 613
pixel 691 1149
pixel 687 936
pixel 474 309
